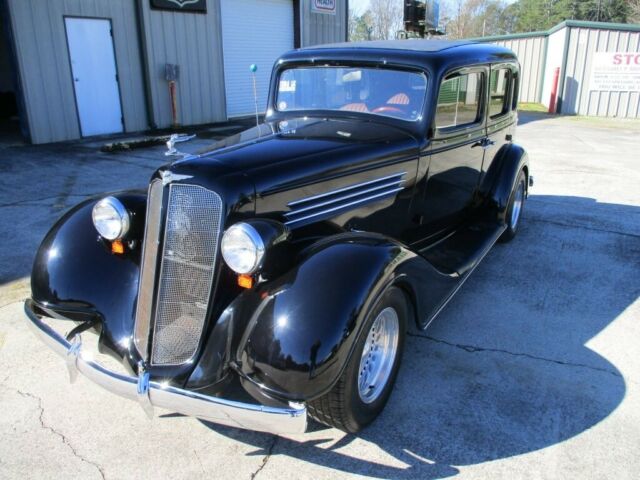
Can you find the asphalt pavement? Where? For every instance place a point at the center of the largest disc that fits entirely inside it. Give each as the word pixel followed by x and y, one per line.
pixel 532 371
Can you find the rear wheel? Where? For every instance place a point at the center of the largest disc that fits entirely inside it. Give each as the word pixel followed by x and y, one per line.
pixel 514 209
pixel 366 383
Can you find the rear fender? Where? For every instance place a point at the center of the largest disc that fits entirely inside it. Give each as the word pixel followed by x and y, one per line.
pixel 502 176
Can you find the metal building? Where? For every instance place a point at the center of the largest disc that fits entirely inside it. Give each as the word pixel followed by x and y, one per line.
pixel 598 65
pixel 79 68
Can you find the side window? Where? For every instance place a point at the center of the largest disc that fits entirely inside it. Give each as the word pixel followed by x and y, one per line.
pixel 459 100
pixel 516 91
pixel 499 91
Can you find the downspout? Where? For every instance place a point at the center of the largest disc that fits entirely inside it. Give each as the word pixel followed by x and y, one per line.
pixel 144 58
pixel 297 36
pixel 346 21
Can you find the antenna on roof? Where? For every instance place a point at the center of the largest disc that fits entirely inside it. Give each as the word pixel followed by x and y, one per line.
pixel 254 68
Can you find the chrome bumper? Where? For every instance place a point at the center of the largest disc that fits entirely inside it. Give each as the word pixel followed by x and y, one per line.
pixel 154 394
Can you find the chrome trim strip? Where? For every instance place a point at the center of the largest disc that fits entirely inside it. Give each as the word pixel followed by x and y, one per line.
pixel 345 205
pixel 287 420
pixel 344 189
pixel 394 183
pixel 147 282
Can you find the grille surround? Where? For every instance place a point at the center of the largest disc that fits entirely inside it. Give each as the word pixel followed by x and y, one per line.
pixel 188 259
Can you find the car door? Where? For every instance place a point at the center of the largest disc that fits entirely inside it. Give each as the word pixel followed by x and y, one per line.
pixel 456 151
pixel 502 99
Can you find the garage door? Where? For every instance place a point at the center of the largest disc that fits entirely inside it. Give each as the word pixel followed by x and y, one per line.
pixel 253 31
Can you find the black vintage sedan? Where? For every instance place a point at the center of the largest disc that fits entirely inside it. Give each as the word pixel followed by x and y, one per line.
pixel 274 275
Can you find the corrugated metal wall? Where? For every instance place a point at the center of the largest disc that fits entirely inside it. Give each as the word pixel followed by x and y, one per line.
pixel 531 53
pixel 578 97
pixel 45 72
pixel 194 42
pixel 319 28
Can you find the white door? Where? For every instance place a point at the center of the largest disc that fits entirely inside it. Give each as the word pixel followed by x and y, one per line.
pixel 253 32
pixel 95 80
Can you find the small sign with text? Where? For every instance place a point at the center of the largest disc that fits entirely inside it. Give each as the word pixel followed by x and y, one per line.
pixel 323 6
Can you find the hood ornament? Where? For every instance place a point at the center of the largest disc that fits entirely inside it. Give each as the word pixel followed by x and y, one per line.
pixel 168 176
pixel 173 139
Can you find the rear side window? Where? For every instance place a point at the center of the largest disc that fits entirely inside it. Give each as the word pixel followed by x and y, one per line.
pixel 459 100
pixel 498 92
pixel 516 92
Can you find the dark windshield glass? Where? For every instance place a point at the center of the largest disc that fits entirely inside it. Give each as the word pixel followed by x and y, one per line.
pixel 392 93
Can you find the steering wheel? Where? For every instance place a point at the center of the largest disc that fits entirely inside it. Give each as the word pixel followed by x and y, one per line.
pixel 387 108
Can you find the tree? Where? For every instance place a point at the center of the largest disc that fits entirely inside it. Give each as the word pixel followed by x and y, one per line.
pixel 473 18
pixel 387 18
pixel 380 22
pixel 605 10
pixel 532 15
pixel 360 26
pixel 634 11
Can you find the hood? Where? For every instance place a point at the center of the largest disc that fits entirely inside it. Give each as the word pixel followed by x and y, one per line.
pixel 284 156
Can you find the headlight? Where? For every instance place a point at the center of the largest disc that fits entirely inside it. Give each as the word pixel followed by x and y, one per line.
pixel 242 248
pixel 110 218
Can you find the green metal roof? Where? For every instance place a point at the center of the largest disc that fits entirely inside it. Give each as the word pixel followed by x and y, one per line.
pixel 626 27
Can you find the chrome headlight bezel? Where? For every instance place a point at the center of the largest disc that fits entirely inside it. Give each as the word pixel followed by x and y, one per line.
pixel 243 236
pixel 110 218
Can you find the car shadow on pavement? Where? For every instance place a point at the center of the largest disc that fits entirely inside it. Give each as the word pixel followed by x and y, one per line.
pixel 505 369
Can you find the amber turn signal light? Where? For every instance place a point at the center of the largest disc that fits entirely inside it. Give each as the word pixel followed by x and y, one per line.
pixel 245 281
pixel 117 247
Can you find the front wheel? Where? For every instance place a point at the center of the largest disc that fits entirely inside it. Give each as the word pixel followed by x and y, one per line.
pixel 364 387
pixel 514 209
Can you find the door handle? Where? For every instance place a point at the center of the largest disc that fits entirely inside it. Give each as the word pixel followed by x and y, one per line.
pixel 484 143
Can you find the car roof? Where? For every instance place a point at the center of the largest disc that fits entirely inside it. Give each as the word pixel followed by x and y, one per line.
pixel 409 44
pixel 435 55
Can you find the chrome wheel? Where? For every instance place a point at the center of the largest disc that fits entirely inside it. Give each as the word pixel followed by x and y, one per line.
pixel 517 206
pixel 378 355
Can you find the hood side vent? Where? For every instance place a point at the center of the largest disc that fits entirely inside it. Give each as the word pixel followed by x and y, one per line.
pixel 325 205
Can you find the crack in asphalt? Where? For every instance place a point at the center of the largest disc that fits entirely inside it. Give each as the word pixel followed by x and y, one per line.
pixel 475 349
pixel 60 435
pixel 267 457
pixel 50 197
pixel 584 227
pixel 11 303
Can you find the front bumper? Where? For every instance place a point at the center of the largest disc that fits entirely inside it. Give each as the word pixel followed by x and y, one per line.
pixel 155 394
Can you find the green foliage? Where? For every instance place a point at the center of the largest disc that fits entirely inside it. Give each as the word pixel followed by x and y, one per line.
pixel 532 15
pixel 475 18
pixel 360 26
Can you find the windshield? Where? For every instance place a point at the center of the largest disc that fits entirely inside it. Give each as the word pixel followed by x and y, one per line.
pixel 392 93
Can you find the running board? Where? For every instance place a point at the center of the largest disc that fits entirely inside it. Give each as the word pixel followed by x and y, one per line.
pixel 459 254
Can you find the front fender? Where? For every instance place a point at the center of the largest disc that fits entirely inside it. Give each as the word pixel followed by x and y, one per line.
pixel 76 276
pixel 304 326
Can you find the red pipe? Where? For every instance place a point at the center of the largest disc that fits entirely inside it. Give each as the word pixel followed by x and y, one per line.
pixel 174 103
pixel 554 91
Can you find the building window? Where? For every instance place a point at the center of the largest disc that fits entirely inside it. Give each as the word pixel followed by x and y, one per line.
pixel 498 92
pixel 459 100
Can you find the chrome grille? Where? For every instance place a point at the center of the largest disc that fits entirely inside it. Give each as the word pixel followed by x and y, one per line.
pixel 192 232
